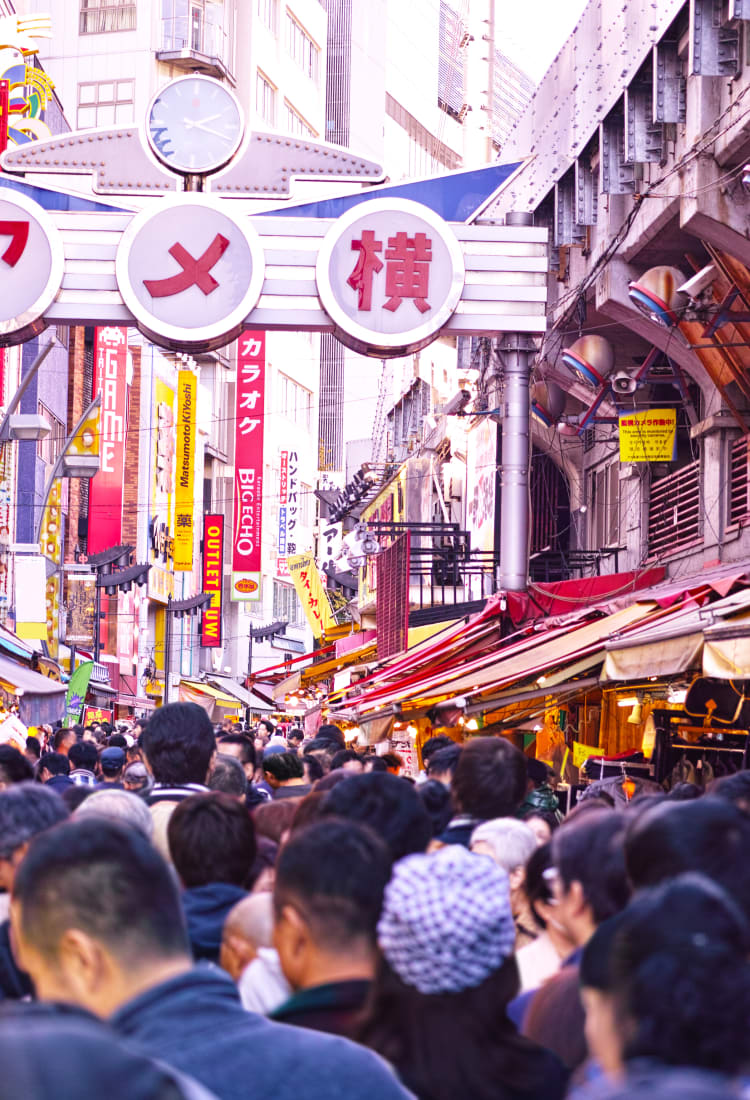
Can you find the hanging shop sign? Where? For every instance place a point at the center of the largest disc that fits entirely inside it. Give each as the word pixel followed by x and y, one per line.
pixel 50 545
pixel 161 550
pixel 248 466
pixel 31 266
pixel 190 272
pixel 184 488
pixel 390 274
pixel 77 688
pixel 106 489
pixel 96 714
pixel 312 594
pixel 213 572
pixel 648 436
pixel 481 491
pixel 293 506
pixel 283 502
pixel 80 609
pixel 330 546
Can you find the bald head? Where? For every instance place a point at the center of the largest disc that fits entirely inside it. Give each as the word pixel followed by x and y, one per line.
pixel 248 927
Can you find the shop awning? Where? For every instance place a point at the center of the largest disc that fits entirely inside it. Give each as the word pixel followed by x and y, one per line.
pixel 216 703
pixel 676 643
pixel 40 699
pixel 244 697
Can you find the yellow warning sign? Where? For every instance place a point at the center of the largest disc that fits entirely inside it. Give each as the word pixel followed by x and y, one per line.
pixel 648 436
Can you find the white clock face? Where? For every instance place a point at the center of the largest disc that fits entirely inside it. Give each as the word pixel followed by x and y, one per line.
pixel 195 125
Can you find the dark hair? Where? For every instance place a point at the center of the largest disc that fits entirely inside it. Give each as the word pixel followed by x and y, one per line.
pixel 334 873
pixel 272 819
pixel 707 835
pixel 108 881
pixel 436 799
pixel 392 760
pixel 434 744
pixel 537 771
pixel 61 736
pixel 296 733
pixel 590 850
pixel 490 778
pixel 309 810
pixel 211 839
pixel 328 782
pixel 685 792
pixel 14 767
pixel 83 755
pixel 25 810
pixel 389 805
pixel 74 794
pixel 227 775
pixel 331 735
pixel 376 763
pixel 314 767
pixel 283 766
pixel 343 756
pixel 733 788
pixel 411 1029
pixel 681 977
pixel 179 743
pixel 535 885
pixel 268 724
pixel 444 760
pixel 551 819
pixel 556 1019
pixel 117 741
pixel 56 763
pixel 33 745
pixel 247 746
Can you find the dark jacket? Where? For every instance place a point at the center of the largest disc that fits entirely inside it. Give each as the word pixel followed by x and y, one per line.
pixel 206 909
pixel 197 1023
pixel 14 983
pixel 335 1008
pixel 459 830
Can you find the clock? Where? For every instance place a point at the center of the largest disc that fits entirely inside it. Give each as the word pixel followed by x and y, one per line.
pixel 195 125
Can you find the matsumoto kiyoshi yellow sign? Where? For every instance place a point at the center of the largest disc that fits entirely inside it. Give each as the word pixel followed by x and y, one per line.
pixel 648 436
pixel 183 513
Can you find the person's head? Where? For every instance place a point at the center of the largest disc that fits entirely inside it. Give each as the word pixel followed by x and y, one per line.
pixel 26 809
pixel 83 756
pixel 111 764
pixel 489 779
pixel 136 778
pixel 389 805
pixel 733 788
pixel 436 799
pixel 394 762
pixel 687 792
pixel 323 751
pixel 227 775
pixel 211 839
pixel 433 745
pixel 118 741
pixel 281 768
pixel 540 896
pixel 248 927
pixel 53 763
pixel 89 734
pixel 332 736
pixel 442 764
pixel 178 744
pixel 509 843
pixel 265 729
pixel 295 737
pixel 33 749
pixel 274 819
pixel 14 767
pixel 313 769
pixel 537 773
pixel 63 740
pixel 542 824
pixel 589 880
pixel 241 748
pixel 96 916
pixel 348 761
pixel 375 764
pixel 328 894
pixel 680 977
pixel 707 835
pixel 116 805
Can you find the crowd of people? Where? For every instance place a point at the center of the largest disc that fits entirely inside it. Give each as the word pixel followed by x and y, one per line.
pixel 196 913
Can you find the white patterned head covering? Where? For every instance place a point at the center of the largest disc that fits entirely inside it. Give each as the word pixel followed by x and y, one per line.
pixel 446 923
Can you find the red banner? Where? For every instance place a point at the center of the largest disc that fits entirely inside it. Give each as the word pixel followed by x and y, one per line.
pixel 213 569
pixel 105 492
pixel 248 466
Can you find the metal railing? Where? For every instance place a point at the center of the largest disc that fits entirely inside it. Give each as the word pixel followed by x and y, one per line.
pixel 106 19
pixel 674 512
pixel 197 35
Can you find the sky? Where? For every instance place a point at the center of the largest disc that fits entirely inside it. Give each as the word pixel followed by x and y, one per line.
pixel 531 34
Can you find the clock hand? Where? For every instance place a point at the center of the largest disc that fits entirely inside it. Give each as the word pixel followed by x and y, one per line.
pixel 210 130
pixel 191 123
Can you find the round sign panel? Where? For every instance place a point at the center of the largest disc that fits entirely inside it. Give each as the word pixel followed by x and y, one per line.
pixel 390 274
pixel 31 266
pixel 190 273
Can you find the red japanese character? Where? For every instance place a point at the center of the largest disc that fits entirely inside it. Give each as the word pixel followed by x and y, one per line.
pixel 407 273
pixel 194 272
pixel 366 267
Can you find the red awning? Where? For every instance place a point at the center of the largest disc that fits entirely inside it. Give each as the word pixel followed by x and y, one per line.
pixel 562 597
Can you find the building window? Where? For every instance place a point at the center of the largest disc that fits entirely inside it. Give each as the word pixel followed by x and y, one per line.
pixel 296 402
pixel 268 10
pixel 265 99
pixel 295 124
pixel 106 103
pixel 103 16
pixel 50 448
pixel 301 47
pixel 286 605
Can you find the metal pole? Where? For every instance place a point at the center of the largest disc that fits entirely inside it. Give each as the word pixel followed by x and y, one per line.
pixel 97 618
pixel 60 459
pixel 250 657
pixel 25 382
pixel 516 350
pixel 167 647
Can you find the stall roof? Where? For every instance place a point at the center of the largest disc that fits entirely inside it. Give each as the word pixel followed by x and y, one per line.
pixel 27 681
pixel 221 697
pixel 247 698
